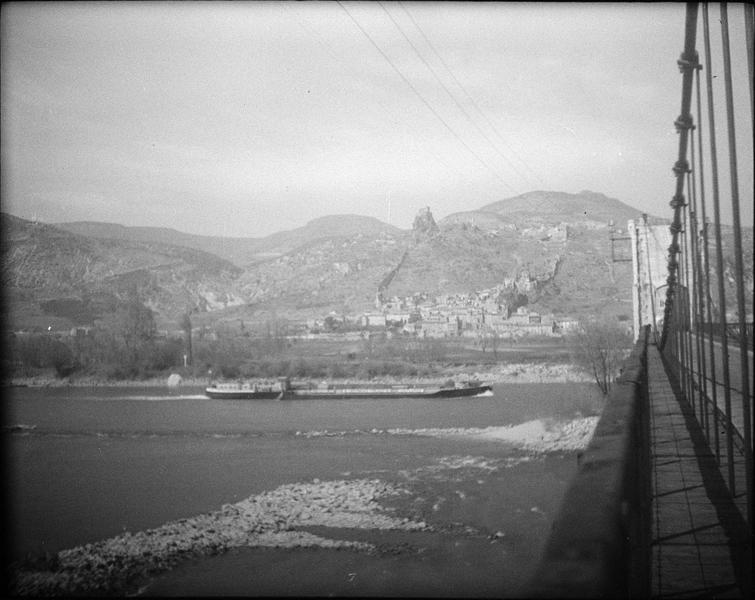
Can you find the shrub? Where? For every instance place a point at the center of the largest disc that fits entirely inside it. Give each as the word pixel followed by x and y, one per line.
pixel 599 346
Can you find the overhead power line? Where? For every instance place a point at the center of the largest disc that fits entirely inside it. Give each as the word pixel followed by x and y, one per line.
pixel 468 95
pixel 449 166
pixel 422 99
pixel 450 95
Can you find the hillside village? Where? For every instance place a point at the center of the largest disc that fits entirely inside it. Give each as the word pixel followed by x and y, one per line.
pixel 484 313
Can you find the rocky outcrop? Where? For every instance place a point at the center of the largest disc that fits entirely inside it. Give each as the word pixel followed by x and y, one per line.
pixel 424 226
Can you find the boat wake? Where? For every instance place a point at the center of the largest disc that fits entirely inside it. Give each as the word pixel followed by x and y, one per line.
pixel 158 398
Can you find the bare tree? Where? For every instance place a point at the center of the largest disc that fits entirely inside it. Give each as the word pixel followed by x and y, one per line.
pixel 600 345
pixel 186 326
pixel 489 338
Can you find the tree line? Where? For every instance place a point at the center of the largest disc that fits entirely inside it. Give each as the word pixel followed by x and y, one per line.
pixel 124 345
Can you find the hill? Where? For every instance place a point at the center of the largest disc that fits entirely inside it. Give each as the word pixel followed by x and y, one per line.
pixel 541 207
pixel 51 273
pixel 549 208
pixel 539 258
pixel 240 251
pixel 548 250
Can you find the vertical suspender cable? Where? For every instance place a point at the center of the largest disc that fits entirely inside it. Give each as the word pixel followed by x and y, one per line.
pixel 685 307
pixel 697 367
pixel 738 263
pixel 749 35
pixel 704 281
pixel 719 253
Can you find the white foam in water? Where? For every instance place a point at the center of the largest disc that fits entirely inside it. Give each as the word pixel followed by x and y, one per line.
pixel 160 398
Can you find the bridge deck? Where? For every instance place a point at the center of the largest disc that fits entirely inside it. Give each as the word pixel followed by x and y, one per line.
pixel 699 543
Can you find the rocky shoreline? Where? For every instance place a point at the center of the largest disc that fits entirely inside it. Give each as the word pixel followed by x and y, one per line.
pixel 271 519
pixel 504 373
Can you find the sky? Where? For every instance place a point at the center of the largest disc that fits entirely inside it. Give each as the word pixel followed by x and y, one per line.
pixel 247 118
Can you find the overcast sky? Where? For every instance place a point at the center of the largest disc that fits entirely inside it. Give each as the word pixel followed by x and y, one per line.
pixel 244 119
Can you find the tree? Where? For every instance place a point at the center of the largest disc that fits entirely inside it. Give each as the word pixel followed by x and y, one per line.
pixel 126 338
pixel 134 323
pixel 489 338
pixel 600 345
pixel 186 327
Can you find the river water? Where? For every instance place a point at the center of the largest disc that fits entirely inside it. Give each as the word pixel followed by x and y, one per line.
pixel 86 464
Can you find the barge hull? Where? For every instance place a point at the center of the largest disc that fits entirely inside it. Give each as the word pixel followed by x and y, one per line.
pixel 315 394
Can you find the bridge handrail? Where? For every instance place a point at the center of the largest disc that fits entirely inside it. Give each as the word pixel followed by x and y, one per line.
pixel 599 543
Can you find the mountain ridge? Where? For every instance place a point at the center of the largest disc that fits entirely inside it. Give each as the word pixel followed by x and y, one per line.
pixel 539 246
pixel 238 250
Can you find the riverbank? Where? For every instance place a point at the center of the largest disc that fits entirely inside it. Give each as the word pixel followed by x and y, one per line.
pixel 269 519
pixel 502 373
pixel 353 515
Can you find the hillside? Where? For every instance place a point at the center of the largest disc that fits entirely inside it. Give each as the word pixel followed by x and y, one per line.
pixel 240 251
pixel 548 250
pixel 45 266
pixel 540 260
pixel 551 208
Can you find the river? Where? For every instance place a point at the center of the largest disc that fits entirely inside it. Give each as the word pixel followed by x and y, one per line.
pixel 88 464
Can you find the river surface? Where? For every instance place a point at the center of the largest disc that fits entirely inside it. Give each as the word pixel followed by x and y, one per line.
pixel 86 464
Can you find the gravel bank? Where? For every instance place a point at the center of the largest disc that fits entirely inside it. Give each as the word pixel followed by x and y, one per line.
pixel 119 564
pixel 537 436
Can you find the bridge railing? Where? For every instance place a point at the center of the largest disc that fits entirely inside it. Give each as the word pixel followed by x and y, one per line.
pixel 706 337
pixel 599 544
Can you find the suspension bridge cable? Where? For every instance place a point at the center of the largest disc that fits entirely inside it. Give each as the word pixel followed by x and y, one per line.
pixel 469 96
pixel 719 247
pixel 450 95
pixel 701 283
pixel 417 132
pixel 690 230
pixel 422 99
pixel 683 305
pixel 738 259
pixel 706 260
pixel 749 9
pixel 692 247
pixel 683 123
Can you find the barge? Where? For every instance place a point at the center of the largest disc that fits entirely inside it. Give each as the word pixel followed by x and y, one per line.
pixel 285 390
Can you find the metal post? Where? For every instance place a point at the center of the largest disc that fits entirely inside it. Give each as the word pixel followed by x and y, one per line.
pixel 637 275
pixel 651 283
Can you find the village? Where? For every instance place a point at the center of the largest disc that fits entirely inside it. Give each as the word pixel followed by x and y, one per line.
pixel 479 314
